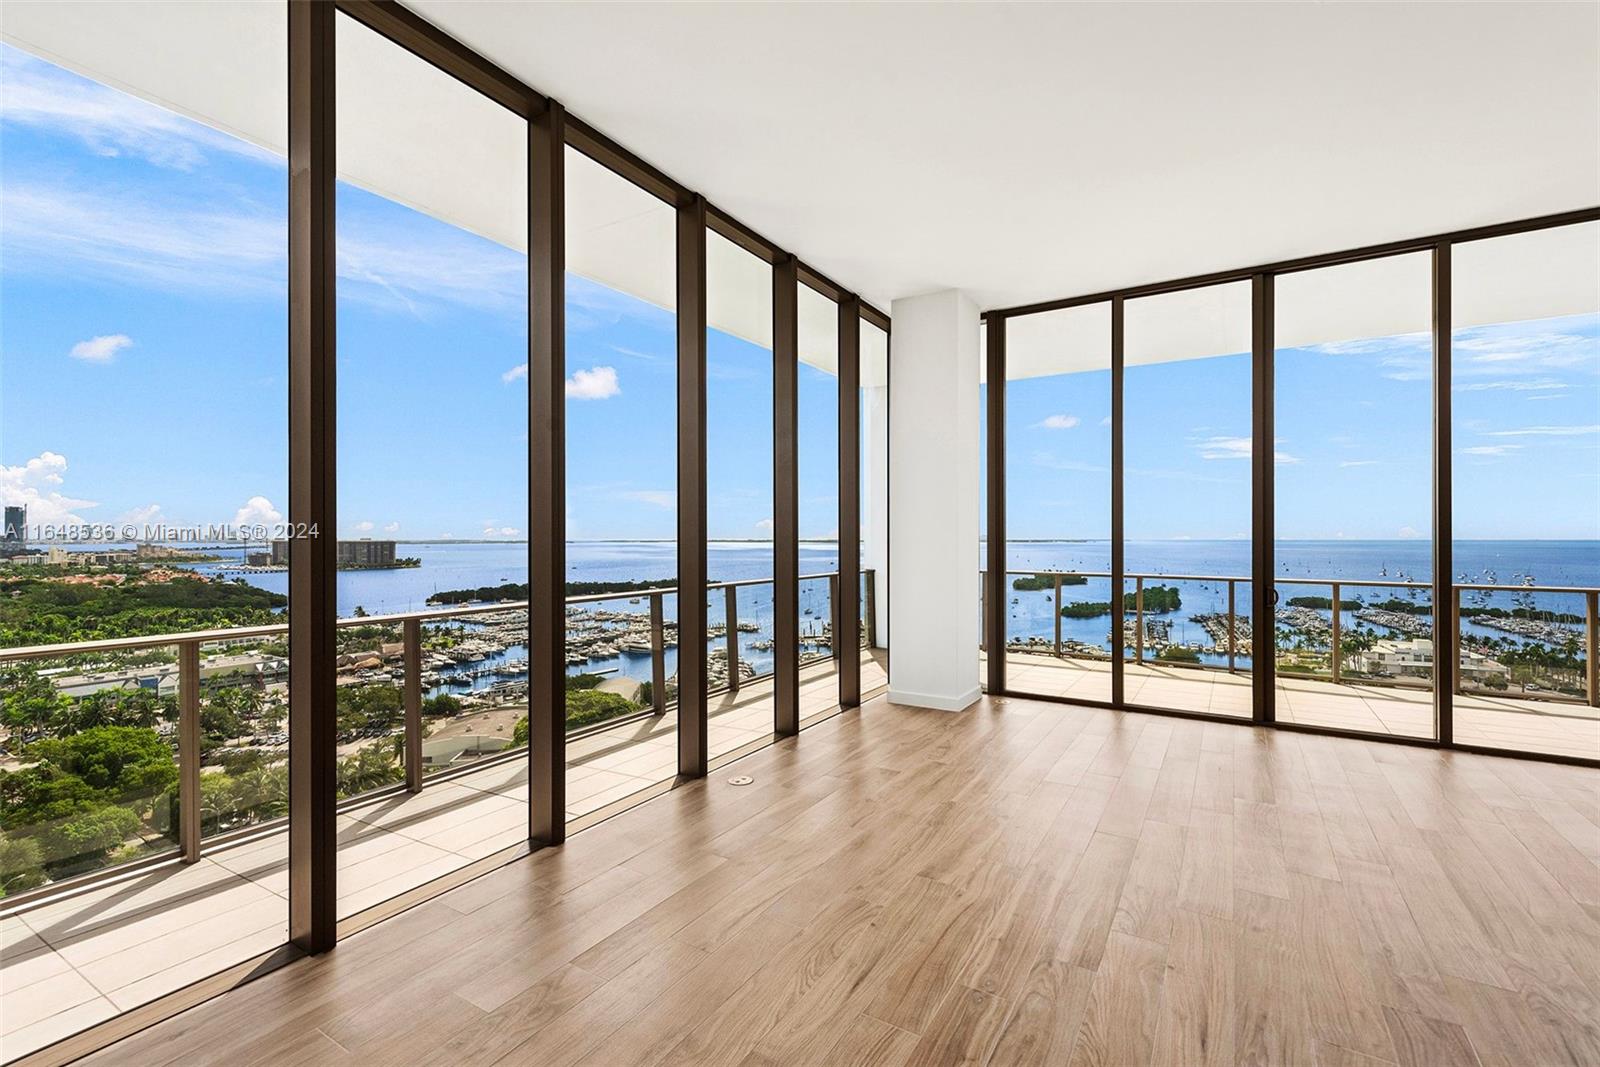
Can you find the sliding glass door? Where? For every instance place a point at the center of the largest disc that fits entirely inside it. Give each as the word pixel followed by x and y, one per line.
pixel 1187 425
pixel 1353 496
pixel 1525 392
pixel 1058 585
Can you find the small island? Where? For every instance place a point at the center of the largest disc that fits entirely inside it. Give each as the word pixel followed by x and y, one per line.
pixel 1029 583
pixel 1158 600
pixel 519 591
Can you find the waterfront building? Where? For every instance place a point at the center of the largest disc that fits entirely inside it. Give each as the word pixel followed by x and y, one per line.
pixel 366 553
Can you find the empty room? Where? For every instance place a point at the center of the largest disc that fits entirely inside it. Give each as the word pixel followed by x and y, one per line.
pixel 799 534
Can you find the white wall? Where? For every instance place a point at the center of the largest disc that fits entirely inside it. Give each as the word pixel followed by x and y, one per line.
pixel 933 525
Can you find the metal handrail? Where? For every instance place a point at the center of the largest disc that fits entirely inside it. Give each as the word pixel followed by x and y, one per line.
pixel 1590 594
pixel 188 645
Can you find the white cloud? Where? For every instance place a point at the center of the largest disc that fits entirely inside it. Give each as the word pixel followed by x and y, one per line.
pixel 1506 349
pixel 1546 431
pixel 633 353
pixel 1359 462
pixel 100 349
pixel 765 525
pixel 1060 422
pixel 109 122
pixel 1236 448
pixel 169 243
pixel 257 511
pixel 1106 421
pixel 33 485
pixel 520 371
pixel 1534 386
pixel 149 515
pixel 214 239
pixel 392 527
pixel 596 383
pixel 1225 448
pixel 1490 450
pixel 490 530
pixel 1407 533
pixel 363 527
pixel 661 498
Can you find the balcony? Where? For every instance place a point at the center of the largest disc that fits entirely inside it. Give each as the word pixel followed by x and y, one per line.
pixel 84 949
pixel 1369 686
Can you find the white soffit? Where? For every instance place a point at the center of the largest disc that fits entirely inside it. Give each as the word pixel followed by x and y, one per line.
pixel 1023 152
pixel 406 131
pixel 1019 152
pixel 1539 275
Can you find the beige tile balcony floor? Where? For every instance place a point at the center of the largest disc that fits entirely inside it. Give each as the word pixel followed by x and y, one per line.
pixel 1544 726
pixel 80 960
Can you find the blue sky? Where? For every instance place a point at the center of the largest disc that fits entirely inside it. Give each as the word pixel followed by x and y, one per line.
pixel 143 356
pixel 142 375
pixel 1353 450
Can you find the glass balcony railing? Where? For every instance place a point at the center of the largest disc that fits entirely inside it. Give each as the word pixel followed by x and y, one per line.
pixel 194 722
pixel 1524 678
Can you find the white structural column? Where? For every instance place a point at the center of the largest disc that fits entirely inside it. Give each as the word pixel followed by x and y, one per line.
pixel 933 501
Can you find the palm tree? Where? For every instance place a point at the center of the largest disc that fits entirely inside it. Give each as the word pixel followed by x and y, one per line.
pixel 369 768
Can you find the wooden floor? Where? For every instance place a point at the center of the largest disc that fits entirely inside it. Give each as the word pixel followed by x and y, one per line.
pixel 88 956
pixel 1021 883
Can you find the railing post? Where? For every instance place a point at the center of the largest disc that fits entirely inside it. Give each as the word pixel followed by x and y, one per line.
pixel 189 750
pixel 1138 619
pixel 871 601
pixel 731 593
pixel 412 630
pixel 658 656
pixel 1058 615
pixel 834 619
pixel 1333 636
pixel 1233 641
pixel 1455 645
pixel 1591 645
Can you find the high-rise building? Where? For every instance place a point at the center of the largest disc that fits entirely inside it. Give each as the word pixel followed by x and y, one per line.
pixel 366 553
pixel 15 538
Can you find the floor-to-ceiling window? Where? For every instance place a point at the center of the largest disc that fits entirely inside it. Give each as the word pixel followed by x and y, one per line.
pixel 817 463
pixel 1353 493
pixel 1058 584
pixel 621 441
pixel 739 495
pixel 143 471
pixel 432 469
pixel 874 490
pixel 1525 396
pixel 1187 501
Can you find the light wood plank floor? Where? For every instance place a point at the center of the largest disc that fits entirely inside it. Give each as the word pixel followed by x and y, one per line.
pixel 1021 883
pixel 83 959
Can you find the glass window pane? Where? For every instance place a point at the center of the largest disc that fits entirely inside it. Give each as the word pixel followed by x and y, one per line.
pixel 1354 496
pixel 622 487
pixel 432 337
pixel 1058 503
pixel 739 602
pixel 1525 396
pixel 143 422
pixel 1186 453
pixel 817 403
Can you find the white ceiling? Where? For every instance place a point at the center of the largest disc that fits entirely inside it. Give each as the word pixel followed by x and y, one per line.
pixel 1029 151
